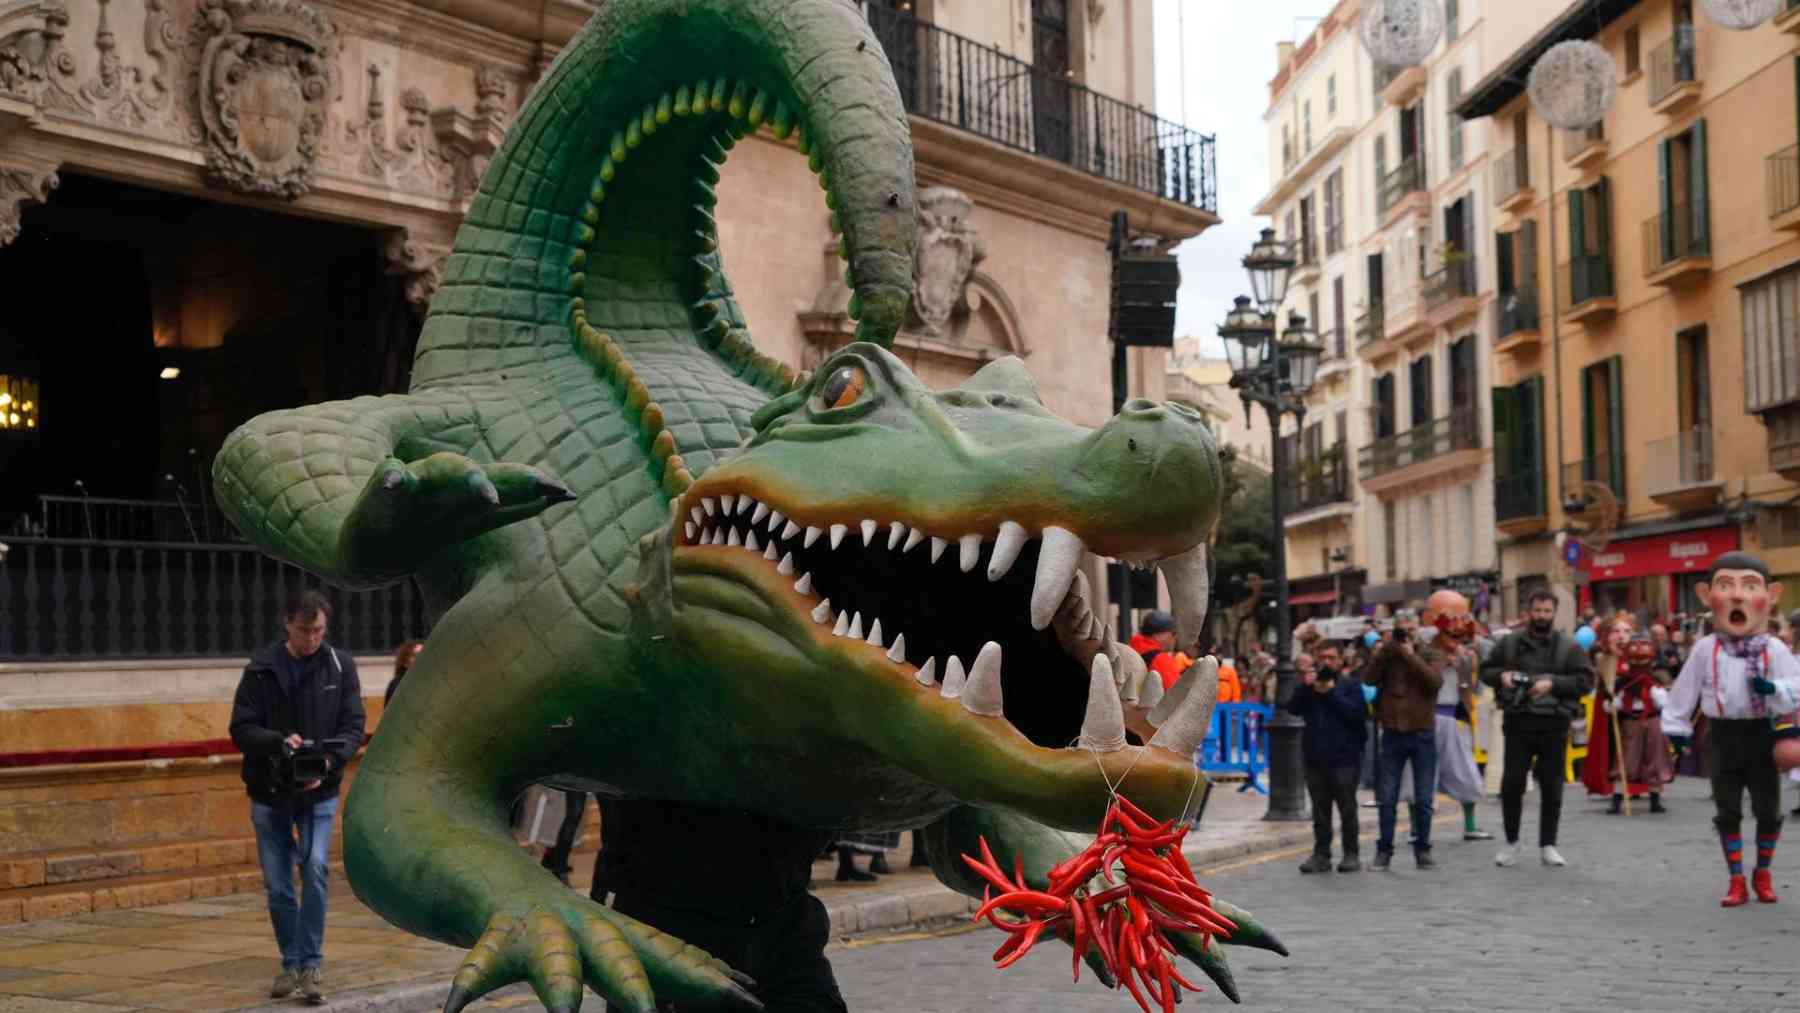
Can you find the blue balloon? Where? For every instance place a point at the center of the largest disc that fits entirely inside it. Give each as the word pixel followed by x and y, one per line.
pixel 1585 637
pixel 1371 638
pixel 1368 693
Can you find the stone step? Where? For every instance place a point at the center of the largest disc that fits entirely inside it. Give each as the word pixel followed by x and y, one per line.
pixel 37 903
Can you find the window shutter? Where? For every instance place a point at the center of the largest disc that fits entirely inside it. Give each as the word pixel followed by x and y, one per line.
pixel 1527 440
pixel 1587 417
pixel 1697 188
pixel 1615 464
pixel 1600 197
pixel 1665 205
pixel 1503 263
pixel 1505 449
pixel 1577 247
pixel 1528 252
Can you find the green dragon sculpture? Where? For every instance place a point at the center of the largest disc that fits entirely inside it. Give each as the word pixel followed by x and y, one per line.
pixel 657 553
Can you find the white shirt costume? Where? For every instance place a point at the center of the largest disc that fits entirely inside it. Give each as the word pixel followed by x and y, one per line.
pixel 1720 685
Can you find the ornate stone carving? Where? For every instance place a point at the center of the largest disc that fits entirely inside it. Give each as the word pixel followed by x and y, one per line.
pixel 469 142
pixel 265 82
pixel 420 263
pixel 35 62
pixel 125 93
pixel 22 182
pixel 949 249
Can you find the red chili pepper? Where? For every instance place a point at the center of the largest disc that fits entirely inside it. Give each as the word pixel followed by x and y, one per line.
pixel 1030 937
pixel 1168 988
pixel 1027 900
pixel 991 875
pixel 1079 917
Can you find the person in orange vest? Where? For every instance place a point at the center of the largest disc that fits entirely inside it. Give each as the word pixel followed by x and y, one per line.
pixel 1230 689
pixel 1155 643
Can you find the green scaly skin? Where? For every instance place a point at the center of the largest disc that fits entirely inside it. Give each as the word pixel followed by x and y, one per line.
pixel 583 384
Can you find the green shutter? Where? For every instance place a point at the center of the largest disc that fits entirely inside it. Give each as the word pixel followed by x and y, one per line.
pixel 1616 406
pixel 1587 417
pixel 1600 281
pixel 1665 201
pixel 1528 254
pixel 1503 263
pixel 1527 441
pixel 1697 189
pixel 1577 249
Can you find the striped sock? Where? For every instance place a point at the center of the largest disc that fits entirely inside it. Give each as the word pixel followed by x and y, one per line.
pixel 1765 849
pixel 1734 852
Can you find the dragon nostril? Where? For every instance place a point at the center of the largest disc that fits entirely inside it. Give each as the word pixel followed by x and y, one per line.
pixel 1131 444
pixel 997 400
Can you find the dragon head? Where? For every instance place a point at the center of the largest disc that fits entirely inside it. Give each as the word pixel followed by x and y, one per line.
pixel 892 573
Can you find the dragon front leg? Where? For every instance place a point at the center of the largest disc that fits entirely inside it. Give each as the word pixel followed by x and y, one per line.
pixel 1038 849
pixel 365 491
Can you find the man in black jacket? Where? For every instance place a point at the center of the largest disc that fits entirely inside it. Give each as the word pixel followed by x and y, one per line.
pixel 298 695
pixel 1539 676
pixel 1331 746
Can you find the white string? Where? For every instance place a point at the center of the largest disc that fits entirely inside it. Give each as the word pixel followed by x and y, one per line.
pixel 1112 787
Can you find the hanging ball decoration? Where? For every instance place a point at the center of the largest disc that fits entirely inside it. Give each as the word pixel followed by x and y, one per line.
pixel 1740 15
pixel 1573 84
pixel 1401 33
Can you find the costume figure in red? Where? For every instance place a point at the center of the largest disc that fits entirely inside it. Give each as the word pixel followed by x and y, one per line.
pixel 1637 700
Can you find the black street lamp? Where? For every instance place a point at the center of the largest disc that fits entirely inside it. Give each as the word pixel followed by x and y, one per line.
pixel 1276 373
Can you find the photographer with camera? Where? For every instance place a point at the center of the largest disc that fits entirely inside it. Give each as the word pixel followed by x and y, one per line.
pixel 1406 687
pixel 298 719
pixel 1539 676
pixel 1331 748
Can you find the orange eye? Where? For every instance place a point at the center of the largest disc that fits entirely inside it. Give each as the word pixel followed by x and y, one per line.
pixel 844 387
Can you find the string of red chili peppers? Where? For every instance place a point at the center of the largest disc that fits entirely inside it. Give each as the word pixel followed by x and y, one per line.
pixel 1125 920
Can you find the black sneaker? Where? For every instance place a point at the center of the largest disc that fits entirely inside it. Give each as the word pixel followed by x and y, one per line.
pixel 1656 805
pixel 1382 860
pixel 1423 860
pixel 1317 863
pixel 1617 806
pixel 1351 863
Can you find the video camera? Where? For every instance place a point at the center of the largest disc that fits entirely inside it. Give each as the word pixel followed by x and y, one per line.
pixel 299 766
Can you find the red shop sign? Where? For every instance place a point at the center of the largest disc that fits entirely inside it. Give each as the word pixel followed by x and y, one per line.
pixel 1685 552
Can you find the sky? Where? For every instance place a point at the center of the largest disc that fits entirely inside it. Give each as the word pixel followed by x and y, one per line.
pixel 1225 50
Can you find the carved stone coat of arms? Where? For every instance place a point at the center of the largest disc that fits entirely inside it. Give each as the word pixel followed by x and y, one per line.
pixel 265 80
pixel 949 248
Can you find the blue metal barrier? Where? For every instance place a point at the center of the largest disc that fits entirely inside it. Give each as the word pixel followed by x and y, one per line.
pixel 1237 743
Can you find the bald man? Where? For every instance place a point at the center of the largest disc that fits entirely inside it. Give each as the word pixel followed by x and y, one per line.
pixel 1452 653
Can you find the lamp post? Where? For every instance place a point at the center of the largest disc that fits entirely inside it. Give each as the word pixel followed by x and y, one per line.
pixel 1276 373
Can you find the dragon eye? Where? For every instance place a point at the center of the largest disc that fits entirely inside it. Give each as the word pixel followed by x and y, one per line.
pixel 844 387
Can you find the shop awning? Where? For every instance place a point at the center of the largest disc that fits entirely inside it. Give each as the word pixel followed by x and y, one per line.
pixel 1312 598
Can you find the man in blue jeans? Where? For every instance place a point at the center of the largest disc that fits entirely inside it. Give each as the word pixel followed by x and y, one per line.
pixel 298 707
pixel 1406 686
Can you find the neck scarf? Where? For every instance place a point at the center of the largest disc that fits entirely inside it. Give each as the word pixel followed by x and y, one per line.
pixel 1754 650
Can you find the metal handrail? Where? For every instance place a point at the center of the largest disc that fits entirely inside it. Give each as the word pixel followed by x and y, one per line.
pixel 1672 64
pixel 1510 177
pixel 1372 325
pixel 1518 311
pixel 1519 494
pixel 1454 280
pixel 1330 485
pixel 1781 178
pixel 1679 461
pixel 1457 431
pixel 1664 244
pixel 1401 180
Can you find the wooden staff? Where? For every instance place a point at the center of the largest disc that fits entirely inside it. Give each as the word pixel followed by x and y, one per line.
pixel 1611 665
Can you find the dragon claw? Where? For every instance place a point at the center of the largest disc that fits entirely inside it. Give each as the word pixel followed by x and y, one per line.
pixel 411 511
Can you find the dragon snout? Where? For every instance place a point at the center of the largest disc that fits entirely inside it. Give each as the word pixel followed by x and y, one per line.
pixel 1160 458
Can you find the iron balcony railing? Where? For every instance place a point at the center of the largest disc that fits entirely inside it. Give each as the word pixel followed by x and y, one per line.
pixel 1316 482
pixel 1455 280
pixel 1372 325
pixel 65 599
pixel 1781 179
pixel 1608 471
pixel 1334 237
pixel 1457 431
pixel 955 80
pixel 1510 177
pixel 1672 64
pixel 1680 461
pixel 1578 139
pixel 1306 248
pixel 106 518
pixel 1672 237
pixel 1518 311
pixel 1403 179
pixel 1519 494
pixel 1584 279
pixel 1336 343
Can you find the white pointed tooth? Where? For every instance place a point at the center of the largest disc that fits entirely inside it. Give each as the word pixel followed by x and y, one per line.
pixel 1094 628
pixel 771 552
pixel 868 532
pixel 776 520
pixel 855 627
pixel 804 584
pixel 971 551
pixel 1129 671
pixel 954 678
pixel 711 505
pixel 788 532
pixel 1151 693
pixel 822 614
pixel 982 693
pixel 732 540
pixel 938 545
pixel 1006 551
pixel 1103 727
pixel 690 529
pixel 913 538
pixel 786 566
pixel 762 511
pixel 812 535
pixel 718 537
pixel 698 515
pixel 874 636
pixel 927 673
pixel 750 541
pixel 896 531
pixel 746 504
pixel 843 625
pixel 838 531
pixel 897 653
pixel 729 502
pixel 1081 585
pixel 1187 722
pixel 1056 569
pixel 1189 591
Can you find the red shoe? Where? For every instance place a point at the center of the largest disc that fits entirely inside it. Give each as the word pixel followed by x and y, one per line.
pixel 1765 886
pixel 1737 895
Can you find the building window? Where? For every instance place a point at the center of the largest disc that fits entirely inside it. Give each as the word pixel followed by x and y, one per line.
pixel 1306 126
pixel 1452 20
pixel 1633 52
pixel 1383 400
pixel 1339 325
pixel 1453 85
pixel 1331 96
pixel 1693 384
pixel 1603 426
pixel 1771 310
pixel 1682 228
pixel 1518 450
pixel 1590 244
pixel 1419 388
pixel 1390 540
pixel 1334 211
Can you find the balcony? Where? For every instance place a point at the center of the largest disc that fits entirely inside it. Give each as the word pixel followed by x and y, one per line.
pixel 1402 192
pixel 1586 149
pixel 1306 255
pixel 949 79
pixel 1783 424
pixel 1300 168
pixel 1438 447
pixel 1520 506
pixel 1781 184
pixel 1587 484
pixel 1336 360
pixel 1334 238
pixel 1586 289
pixel 1678 471
pixel 1402 86
pixel 1674 84
pixel 1451 291
pixel 1516 323
pixel 1512 184
pixel 1317 490
pixel 1371 333
pixel 1675 251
